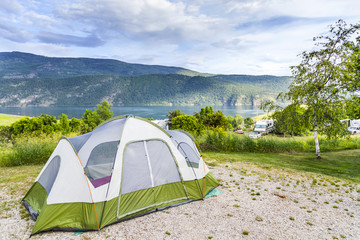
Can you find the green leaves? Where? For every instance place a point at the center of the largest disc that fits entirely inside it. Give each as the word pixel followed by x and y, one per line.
pixel 322 83
pixel 91 119
pixel 205 119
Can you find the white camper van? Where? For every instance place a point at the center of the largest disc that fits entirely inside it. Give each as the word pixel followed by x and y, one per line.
pixel 264 126
pixel 354 127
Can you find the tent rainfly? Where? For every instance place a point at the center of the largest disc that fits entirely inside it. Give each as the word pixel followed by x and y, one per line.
pixel 125 168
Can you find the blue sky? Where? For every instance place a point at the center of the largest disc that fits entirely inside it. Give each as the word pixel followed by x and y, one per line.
pixel 213 36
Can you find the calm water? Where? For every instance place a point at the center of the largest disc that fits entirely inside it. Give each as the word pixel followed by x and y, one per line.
pixel 156 112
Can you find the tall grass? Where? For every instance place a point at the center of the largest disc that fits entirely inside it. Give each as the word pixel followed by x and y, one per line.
pixel 28 151
pixel 217 140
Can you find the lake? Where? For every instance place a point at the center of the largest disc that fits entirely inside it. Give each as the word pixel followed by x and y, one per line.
pixel 156 112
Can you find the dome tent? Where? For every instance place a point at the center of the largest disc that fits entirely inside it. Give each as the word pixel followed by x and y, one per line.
pixel 126 167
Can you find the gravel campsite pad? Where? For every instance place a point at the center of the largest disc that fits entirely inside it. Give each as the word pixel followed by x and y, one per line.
pixel 256 203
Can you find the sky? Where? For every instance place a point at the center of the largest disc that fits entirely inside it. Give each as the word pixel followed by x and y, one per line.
pixel 254 37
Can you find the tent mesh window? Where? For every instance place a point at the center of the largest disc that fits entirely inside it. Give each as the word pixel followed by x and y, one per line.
pixel 163 165
pixel 148 164
pixel 48 177
pixel 136 172
pixel 192 159
pixel 99 166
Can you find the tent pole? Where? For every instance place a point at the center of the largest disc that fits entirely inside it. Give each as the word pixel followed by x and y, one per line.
pixel 92 199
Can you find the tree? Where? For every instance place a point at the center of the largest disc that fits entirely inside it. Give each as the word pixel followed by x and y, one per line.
pixel 75 125
pixel 291 120
pixel 188 123
pixel 325 78
pixel 104 111
pixel 204 113
pixel 235 121
pixel 249 122
pixel 212 119
pixel 174 113
pixel 64 123
pixel 353 107
pixel 91 119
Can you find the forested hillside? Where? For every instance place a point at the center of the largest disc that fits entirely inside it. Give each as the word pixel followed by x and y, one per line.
pixel 28 79
pixel 26 65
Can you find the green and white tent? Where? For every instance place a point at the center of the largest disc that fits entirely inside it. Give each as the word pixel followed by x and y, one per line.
pixel 126 167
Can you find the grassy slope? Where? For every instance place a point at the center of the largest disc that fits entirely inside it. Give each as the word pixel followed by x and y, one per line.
pixel 261 116
pixel 7 119
pixel 342 164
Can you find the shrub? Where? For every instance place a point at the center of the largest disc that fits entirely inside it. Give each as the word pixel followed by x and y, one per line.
pixel 75 125
pixel 5 134
pixel 211 119
pixel 35 126
pixel 187 123
pixel 91 119
pixel 64 123
pixel 273 144
pixel 220 140
pixel 249 122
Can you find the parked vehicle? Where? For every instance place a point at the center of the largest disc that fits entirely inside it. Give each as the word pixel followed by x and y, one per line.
pixel 238 130
pixel 255 135
pixel 355 123
pixel 264 126
pixel 354 126
pixel 354 129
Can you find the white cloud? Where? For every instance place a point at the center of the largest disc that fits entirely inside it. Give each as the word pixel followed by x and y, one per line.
pixel 142 20
pixel 218 36
pixel 11 6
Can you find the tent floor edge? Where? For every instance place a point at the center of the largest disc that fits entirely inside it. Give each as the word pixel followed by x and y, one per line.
pixel 58 229
pixel 152 211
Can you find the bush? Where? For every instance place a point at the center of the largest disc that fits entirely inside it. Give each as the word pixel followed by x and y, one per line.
pixel 274 144
pixel 211 119
pixel 235 121
pixel 249 122
pixel 5 134
pixel 220 140
pixel 91 119
pixel 35 125
pixel 187 123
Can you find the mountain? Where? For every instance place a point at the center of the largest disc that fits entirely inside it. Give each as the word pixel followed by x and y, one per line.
pixel 28 79
pixel 26 65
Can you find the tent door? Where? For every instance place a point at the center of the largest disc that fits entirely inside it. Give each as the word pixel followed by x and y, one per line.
pixel 150 178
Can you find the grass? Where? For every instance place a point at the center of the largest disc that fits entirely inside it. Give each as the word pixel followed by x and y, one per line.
pixel 28 151
pixel 218 140
pixel 7 119
pixel 341 164
pixel 262 116
pixel 18 179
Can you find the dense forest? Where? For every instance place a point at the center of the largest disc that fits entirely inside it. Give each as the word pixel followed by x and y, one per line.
pixel 28 79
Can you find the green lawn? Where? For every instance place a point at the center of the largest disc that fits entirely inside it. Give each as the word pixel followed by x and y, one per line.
pixel 18 180
pixel 7 119
pixel 341 164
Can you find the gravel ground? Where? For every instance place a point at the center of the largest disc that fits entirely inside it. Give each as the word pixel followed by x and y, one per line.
pixel 255 203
